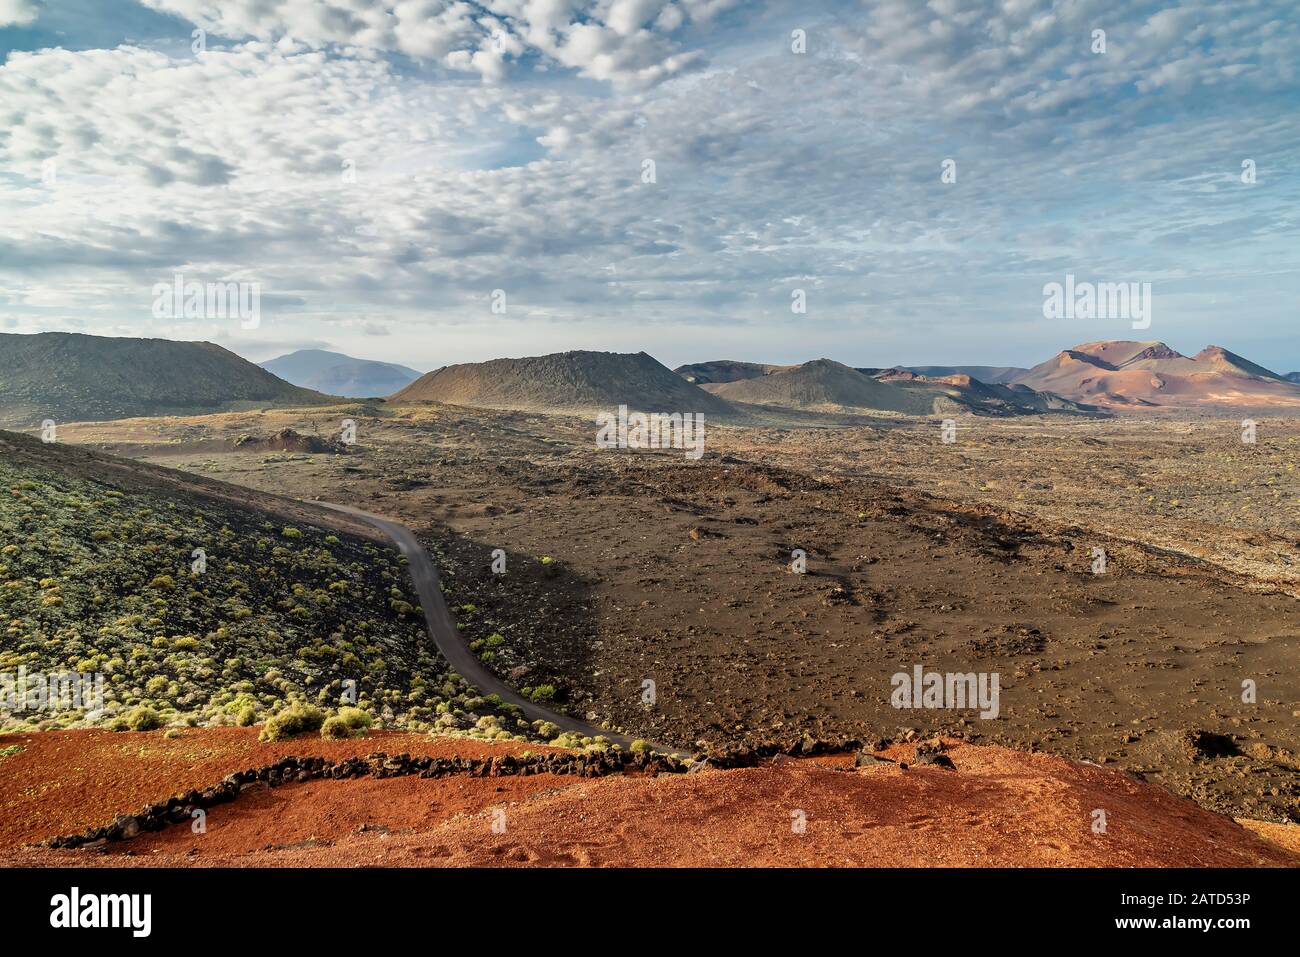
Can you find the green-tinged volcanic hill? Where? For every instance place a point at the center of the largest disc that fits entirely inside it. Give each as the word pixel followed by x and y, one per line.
pixel 565 382
pixel 71 377
pixel 98 576
pixel 983 398
pixel 825 384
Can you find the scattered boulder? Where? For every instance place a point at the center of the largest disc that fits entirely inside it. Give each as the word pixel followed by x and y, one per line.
pixel 286 440
pixel 865 759
pixel 1201 744
pixel 932 752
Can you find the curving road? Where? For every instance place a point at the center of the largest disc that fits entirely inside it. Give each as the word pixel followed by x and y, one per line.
pixel 442 628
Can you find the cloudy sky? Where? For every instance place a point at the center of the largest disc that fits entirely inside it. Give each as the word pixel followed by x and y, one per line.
pixel 380 167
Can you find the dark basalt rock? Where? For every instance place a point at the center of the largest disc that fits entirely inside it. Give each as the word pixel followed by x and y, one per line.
pixel 865 759
pixel 930 753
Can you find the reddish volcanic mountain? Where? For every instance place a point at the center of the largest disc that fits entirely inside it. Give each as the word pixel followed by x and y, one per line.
pixel 1123 374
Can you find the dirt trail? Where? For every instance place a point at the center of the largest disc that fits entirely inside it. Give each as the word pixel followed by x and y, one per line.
pixel 442 628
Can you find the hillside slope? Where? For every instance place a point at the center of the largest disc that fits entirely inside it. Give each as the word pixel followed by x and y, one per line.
pixel 98 575
pixel 337 374
pixel 72 377
pixel 982 398
pixel 826 384
pixel 565 382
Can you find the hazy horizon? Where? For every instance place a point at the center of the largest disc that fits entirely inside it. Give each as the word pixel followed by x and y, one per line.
pixel 916 174
pixel 250 352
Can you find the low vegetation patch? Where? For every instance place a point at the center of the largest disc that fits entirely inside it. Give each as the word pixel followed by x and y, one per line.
pixel 348 723
pixel 197 612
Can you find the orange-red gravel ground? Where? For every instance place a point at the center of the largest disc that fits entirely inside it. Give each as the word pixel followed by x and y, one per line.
pixel 63 782
pixel 999 808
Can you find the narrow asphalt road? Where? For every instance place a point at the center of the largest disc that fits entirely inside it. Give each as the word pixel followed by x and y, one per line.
pixel 442 627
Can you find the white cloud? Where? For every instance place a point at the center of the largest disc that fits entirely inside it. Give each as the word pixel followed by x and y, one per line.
pixel 623 41
pixel 17 12
pixel 772 170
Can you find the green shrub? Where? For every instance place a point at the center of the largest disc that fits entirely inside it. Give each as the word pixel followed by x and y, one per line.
pixel 356 718
pixel 570 739
pixel 638 746
pixel 298 718
pixel 335 728
pixel 348 723
pixel 143 719
pixel 541 693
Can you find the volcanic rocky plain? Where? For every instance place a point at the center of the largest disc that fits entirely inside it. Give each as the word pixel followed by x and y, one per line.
pixel 630 572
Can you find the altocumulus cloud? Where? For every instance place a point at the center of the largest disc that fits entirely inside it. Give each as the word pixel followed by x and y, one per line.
pixel 625 41
pixel 404 159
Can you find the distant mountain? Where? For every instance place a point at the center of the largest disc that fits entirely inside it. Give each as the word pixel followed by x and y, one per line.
pixel 69 377
pixel 730 370
pixel 725 370
pixel 1124 374
pixel 565 382
pixel 992 375
pixel 825 384
pixel 1292 377
pixel 337 374
pixel 984 398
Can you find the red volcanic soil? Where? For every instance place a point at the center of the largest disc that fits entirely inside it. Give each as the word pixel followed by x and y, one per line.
pixel 998 808
pixel 63 782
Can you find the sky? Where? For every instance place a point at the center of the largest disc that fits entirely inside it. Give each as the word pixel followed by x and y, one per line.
pixel 431 182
